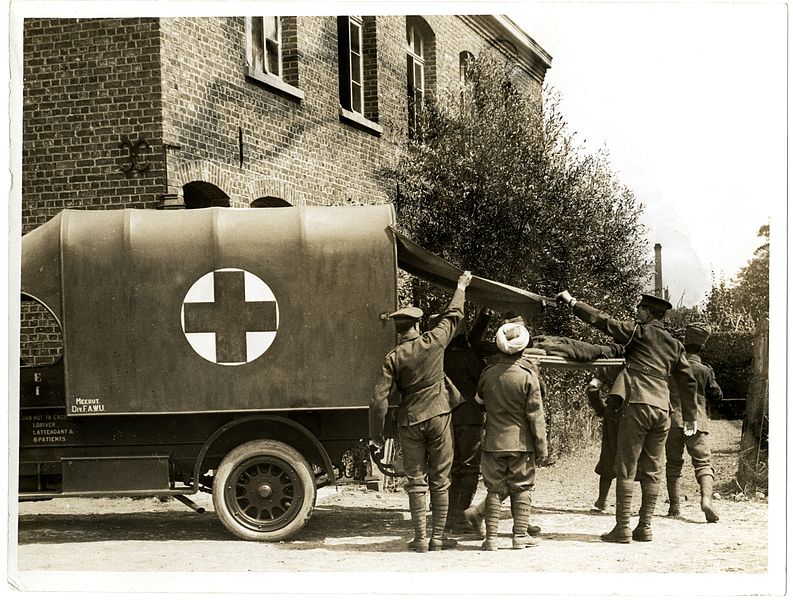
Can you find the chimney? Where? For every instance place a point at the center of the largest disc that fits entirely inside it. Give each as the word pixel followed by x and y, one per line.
pixel 659 283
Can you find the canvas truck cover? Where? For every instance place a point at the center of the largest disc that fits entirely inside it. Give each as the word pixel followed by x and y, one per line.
pixel 216 309
pixel 224 309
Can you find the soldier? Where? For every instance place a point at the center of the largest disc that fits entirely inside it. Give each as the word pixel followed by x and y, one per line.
pixel 514 434
pixel 474 516
pixel 414 369
pixel 463 366
pixel 652 355
pixel 609 411
pixel 696 445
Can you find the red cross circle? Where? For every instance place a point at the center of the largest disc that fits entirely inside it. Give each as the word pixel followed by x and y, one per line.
pixel 230 316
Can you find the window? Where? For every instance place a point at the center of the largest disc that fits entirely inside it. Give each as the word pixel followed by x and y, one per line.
pixel 466 59
pixel 420 61
pixel 201 194
pixel 358 72
pixel 264 51
pixel 355 54
pixel 415 68
pixel 271 48
pixel 269 202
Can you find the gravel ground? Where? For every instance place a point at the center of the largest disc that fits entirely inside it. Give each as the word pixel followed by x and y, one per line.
pixel 355 530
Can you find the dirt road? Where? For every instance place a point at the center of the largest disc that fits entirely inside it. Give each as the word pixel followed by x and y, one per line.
pixel 354 529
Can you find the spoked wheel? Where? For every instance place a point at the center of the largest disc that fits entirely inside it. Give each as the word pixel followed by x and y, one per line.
pixel 264 491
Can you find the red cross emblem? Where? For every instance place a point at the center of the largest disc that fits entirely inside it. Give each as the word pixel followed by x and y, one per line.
pixel 230 316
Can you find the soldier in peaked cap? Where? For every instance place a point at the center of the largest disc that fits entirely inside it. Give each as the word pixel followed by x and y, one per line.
pixel 696 445
pixel 652 356
pixel 409 313
pixel 414 369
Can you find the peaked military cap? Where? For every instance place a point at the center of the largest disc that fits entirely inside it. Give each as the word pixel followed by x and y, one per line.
pixel 698 333
pixel 655 302
pixel 409 312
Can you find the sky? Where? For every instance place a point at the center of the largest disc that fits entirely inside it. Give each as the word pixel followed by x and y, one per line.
pixel 690 101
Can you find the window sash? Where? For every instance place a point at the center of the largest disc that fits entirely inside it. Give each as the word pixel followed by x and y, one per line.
pixel 415 75
pixel 355 54
pixel 272 45
pixel 264 46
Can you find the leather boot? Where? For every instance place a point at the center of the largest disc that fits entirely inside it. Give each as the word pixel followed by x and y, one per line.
pixel 467 490
pixel 440 510
pixel 650 493
pixel 604 485
pixel 468 485
pixel 706 498
pixel 521 509
pixel 492 517
pixel 474 517
pixel 455 509
pixel 418 515
pixel 621 533
pixel 673 489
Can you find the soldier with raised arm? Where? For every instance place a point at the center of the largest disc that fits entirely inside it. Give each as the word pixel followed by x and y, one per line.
pixel 652 356
pixel 414 370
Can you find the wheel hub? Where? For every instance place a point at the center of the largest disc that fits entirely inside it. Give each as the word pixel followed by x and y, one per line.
pixel 264 493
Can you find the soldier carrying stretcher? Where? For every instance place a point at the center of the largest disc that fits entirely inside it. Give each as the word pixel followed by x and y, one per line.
pixel 652 356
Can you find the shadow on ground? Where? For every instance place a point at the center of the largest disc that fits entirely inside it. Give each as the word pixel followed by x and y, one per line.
pixel 326 522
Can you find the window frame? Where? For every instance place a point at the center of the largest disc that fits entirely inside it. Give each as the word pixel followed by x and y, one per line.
pixel 352 91
pixel 258 44
pixel 415 57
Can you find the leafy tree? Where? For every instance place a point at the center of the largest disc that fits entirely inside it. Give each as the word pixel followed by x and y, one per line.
pixel 495 183
pixel 738 305
pixel 722 310
pixel 751 291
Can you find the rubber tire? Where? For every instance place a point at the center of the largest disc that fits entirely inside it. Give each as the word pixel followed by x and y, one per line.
pixel 301 475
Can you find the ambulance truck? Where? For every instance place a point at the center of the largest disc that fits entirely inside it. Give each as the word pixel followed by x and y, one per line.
pixel 224 351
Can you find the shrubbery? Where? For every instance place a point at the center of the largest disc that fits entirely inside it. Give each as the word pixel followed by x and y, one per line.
pixel 570 422
pixel 730 355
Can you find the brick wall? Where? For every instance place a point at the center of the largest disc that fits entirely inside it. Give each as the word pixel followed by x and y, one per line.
pixel 299 146
pixel 180 84
pixel 88 84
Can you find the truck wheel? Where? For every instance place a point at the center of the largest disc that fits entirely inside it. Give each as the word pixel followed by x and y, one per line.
pixel 264 491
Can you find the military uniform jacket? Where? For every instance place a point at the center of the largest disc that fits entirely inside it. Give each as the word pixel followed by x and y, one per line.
pixel 510 390
pixel 464 367
pixel 414 369
pixel 707 390
pixel 652 357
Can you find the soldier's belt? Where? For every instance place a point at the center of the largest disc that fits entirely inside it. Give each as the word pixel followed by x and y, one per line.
pixel 416 387
pixel 647 371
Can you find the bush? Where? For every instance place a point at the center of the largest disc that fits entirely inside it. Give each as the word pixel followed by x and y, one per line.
pixel 570 422
pixel 730 355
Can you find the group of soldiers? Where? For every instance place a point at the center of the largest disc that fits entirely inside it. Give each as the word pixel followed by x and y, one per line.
pixel 457 414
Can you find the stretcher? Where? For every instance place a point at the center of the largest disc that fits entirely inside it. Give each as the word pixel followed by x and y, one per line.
pixel 559 362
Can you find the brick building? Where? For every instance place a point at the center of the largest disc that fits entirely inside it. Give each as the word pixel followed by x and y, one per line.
pixel 238 111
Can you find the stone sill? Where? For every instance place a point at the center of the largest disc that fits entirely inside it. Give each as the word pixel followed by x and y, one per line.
pixel 277 84
pixel 359 121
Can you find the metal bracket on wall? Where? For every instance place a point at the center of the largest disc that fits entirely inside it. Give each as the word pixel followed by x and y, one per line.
pixel 134 148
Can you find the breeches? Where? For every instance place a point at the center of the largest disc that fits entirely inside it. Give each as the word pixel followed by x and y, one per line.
pixel 427 451
pixel 467 450
pixel 505 473
pixel 640 443
pixel 698 450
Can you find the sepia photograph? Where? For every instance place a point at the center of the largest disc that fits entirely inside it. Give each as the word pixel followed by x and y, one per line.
pixel 411 299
